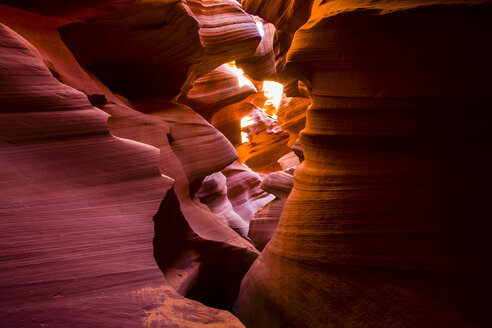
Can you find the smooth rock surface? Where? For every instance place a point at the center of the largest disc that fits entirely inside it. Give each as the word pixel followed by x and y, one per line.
pixel 216 90
pixel 387 224
pixel 75 211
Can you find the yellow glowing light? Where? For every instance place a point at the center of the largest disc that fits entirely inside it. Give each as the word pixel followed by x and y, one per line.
pixel 244 137
pixel 245 123
pixel 273 91
pixel 259 26
pixel 241 79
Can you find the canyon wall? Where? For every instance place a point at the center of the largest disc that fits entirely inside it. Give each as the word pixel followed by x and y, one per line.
pixel 92 143
pixel 76 208
pixel 128 140
pixel 388 221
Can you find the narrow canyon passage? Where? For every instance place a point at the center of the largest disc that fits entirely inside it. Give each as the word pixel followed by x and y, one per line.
pixel 223 163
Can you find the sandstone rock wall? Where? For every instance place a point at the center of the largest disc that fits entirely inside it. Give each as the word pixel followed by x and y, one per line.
pixel 128 59
pixel 75 209
pixel 387 224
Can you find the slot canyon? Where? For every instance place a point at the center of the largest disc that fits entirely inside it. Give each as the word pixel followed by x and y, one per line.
pixel 254 163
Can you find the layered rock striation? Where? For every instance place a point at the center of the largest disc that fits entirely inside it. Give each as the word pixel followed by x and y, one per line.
pixel 218 89
pixel 117 112
pixel 387 223
pixel 75 208
pixel 147 52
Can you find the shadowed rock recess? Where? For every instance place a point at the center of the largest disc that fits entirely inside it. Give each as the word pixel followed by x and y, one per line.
pixel 150 177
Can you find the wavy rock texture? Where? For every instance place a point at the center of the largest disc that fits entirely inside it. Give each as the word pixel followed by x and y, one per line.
pixel 56 8
pixel 292 116
pixel 243 190
pixel 226 32
pixel 216 90
pixel 228 120
pixel 267 143
pixel 241 187
pixel 297 149
pixel 285 15
pixel 261 66
pixel 213 193
pixel 289 160
pixel 265 221
pixel 75 210
pixel 279 183
pixel 151 48
pixel 202 245
pixel 270 57
pixel 191 243
pixel 387 224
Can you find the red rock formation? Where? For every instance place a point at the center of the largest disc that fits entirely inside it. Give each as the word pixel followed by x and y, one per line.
pixel 234 198
pixel 75 210
pixel 285 15
pixel 139 55
pixel 261 66
pixel 151 48
pixel 279 183
pixel 292 115
pixel 387 224
pixel 226 32
pixel 55 8
pixel 267 143
pixel 228 120
pixel 200 241
pixel 265 221
pixel 243 190
pixel 213 193
pixel 216 90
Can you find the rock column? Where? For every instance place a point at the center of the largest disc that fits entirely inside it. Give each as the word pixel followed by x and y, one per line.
pixel 388 221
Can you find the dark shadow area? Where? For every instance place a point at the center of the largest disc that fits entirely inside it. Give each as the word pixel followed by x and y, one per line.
pixel 53 7
pixel 221 267
pixel 138 63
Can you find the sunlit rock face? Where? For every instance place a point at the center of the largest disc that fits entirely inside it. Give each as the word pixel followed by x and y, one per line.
pixel 228 120
pixel 292 115
pixel 228 99
pixel 266 142
pixel 75 207
pixel 387 224
pixel 261 66
pixel 215 90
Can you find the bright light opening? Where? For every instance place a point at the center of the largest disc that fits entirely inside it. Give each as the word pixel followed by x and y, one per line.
pixel 244 137
pixel 259 26
pixel 273 91
pixel 246 122
pixel 241 79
